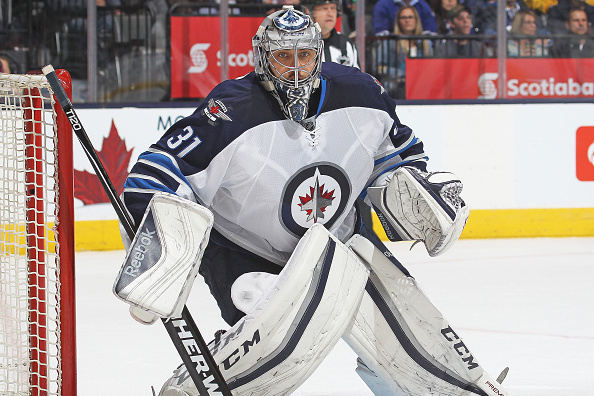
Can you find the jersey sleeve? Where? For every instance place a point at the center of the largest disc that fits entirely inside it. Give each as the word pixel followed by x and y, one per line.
pixel 401 146
pixel 174 164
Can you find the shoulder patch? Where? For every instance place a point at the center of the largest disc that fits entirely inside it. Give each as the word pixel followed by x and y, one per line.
pixel 216 110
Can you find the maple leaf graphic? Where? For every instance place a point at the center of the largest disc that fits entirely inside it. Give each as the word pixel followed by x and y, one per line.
pixel 115 158
pixel 315 204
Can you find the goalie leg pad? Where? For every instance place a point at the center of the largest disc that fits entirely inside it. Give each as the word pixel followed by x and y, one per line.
pixel 164 256
pixel 422 206
pixel 296 321
pixel 405 344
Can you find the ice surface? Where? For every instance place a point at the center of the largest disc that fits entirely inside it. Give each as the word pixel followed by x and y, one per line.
pixel 523 303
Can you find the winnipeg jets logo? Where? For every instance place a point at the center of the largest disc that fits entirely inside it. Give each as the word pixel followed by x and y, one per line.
pixel 216 109
pixel 290 21
pixel 316 202
pixel 317 193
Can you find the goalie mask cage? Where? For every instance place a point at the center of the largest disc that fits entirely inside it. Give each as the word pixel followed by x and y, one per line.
pixel 37 311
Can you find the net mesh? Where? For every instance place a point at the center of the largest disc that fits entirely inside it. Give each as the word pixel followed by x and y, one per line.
pixel 29 265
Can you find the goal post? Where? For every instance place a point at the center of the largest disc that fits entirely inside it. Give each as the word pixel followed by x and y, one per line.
pixel 37 295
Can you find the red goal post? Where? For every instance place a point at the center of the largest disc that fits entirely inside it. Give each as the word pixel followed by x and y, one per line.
pixel 37 295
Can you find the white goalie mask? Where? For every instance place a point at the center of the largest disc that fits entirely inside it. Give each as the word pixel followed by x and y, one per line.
pixel 287 54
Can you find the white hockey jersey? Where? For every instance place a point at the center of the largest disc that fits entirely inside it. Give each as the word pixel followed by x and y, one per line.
pixel 266 178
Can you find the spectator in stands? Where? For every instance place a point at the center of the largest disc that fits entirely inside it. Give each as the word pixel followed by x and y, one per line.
pixel 338 48
pixel 524 24
pixel 384 15
pixel 558 14
pixel 461 20
pixel 581 45
pixel 441 8
pixel 486 18
pixel 407 23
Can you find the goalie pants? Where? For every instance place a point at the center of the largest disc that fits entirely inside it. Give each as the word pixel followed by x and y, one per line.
pixel 223 262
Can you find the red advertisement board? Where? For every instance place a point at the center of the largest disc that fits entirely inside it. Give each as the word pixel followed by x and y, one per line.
pixel 478 78
pixel 584 154
pixel 195 52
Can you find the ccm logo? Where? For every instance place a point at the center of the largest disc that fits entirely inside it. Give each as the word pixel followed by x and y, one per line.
pixel 241 351
pixel 459 347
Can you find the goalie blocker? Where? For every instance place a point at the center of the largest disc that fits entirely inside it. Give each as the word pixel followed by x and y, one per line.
pixel 163 258
pixel 415 205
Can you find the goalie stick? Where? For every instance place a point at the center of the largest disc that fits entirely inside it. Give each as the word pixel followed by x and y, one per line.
pixel 183 331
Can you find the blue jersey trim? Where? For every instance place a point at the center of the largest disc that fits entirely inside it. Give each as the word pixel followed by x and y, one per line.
pixel 322 95
pixel 384 159
pixel 364 192
pixel 166 162
pixel 138 182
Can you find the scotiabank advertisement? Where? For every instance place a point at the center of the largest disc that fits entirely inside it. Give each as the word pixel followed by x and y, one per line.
pixel 195 52
pixel 478 78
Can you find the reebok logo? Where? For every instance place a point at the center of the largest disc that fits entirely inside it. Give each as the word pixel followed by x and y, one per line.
pixel 138 252
pixel 584 153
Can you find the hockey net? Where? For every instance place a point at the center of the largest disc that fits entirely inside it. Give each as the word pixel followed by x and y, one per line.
pixel 37 326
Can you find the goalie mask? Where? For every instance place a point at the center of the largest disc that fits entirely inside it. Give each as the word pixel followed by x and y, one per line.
pixel 287 55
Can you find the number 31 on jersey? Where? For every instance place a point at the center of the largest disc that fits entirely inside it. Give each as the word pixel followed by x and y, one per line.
pixel 183 141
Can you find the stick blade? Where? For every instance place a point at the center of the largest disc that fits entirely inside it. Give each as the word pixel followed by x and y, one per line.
pixel 502 375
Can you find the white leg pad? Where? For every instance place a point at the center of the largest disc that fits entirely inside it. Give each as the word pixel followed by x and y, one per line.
pixel 405 343
pixel 294 325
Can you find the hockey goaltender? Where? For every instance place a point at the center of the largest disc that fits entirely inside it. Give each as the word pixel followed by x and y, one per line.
pixel 257 192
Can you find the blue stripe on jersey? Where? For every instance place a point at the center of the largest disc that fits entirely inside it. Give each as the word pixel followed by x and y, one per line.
pixel 364 192
pixel 322 95
pixel 384 159
pixel 166 162
pixel 146 184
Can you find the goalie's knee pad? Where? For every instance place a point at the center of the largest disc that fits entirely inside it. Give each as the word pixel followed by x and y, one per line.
pixel 405 345
pixel 297 319
pixel 422 206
